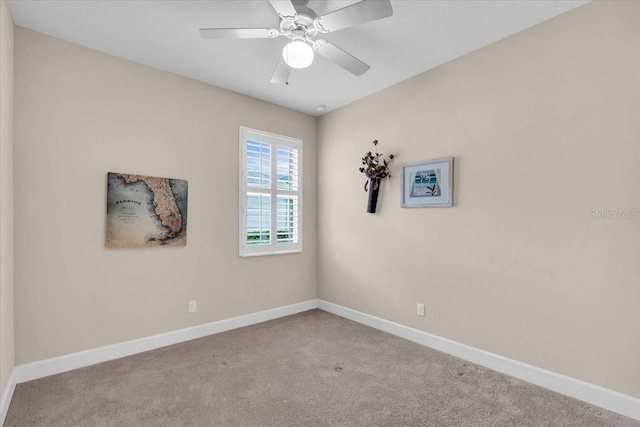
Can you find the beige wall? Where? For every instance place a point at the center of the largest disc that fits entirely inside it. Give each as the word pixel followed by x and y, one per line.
pixel 544 127
pixel 79 114
pixel 7 359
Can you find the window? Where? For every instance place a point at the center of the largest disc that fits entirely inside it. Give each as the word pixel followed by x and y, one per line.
pixel 270 193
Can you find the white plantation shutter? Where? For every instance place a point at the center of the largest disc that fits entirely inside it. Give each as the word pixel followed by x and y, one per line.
pixel 287 219
pixel 270 193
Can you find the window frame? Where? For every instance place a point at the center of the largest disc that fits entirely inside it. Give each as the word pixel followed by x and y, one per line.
pixel 274 140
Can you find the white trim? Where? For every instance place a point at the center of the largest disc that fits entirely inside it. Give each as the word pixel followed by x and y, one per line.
pixel 7 395
pixel 608 399
pixel 623 404
pixel 68 362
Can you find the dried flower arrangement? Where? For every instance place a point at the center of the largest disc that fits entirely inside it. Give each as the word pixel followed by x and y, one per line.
pixel 375 166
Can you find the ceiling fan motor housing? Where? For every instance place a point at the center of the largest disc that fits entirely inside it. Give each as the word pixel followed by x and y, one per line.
pixel 299 26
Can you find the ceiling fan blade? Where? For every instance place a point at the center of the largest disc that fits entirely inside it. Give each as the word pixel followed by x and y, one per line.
pixel 340 57
pixel 284 8
pixel 281 73
pixel 239 33
pixel 359 13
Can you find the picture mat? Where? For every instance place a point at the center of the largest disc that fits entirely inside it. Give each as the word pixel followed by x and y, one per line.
pixel 443 169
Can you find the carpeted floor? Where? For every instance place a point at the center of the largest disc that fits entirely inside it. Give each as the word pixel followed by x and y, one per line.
pixel 310 369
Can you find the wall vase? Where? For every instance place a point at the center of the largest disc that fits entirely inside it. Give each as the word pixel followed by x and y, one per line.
pixel 373 187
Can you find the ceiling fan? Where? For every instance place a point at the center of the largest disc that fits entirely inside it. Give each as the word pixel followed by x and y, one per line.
pixel 301 26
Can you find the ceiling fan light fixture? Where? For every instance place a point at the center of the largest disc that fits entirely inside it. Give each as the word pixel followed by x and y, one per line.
pixel 298 54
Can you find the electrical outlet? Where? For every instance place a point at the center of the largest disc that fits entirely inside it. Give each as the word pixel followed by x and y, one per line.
pixel 420 311
pixel 192 306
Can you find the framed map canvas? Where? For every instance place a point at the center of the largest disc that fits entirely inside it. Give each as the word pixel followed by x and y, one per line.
pixel 427 183
pixel 146 211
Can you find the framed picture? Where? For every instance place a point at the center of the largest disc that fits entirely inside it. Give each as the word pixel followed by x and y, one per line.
pixel 427 184
pixel 145 211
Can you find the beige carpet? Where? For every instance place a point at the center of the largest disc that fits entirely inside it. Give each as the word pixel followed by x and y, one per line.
pixel 310 369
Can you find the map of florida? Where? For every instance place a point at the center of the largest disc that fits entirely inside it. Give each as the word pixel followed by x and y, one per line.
pixel 163 200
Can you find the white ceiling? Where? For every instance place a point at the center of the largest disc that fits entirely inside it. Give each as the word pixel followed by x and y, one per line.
pixel 164 34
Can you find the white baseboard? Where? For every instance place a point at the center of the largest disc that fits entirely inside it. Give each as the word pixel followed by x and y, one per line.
pixel 7 394
pixel 68 362
pixel 608 399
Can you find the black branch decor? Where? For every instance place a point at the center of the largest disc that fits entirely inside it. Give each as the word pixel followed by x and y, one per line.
pixel 375 167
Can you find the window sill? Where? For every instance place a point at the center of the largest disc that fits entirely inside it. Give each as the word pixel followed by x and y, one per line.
pixel 250 255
